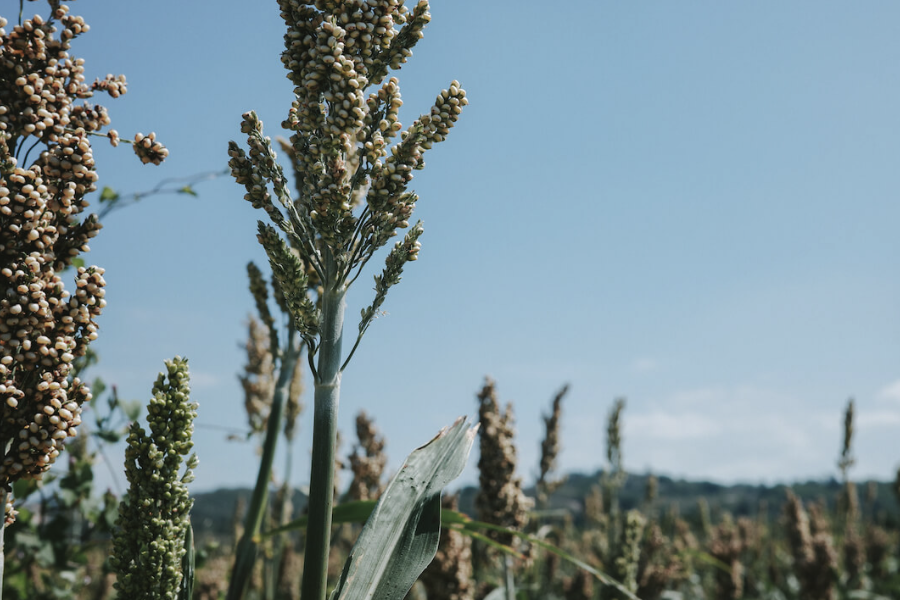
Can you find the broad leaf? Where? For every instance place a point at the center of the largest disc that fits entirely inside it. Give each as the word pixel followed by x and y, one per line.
pixel 401 536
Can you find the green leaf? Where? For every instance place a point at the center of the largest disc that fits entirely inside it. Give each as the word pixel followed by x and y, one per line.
pixel 108 436
pixel 77 262
pixel 108 194
pixel 401 536
pixel 188 190
pixel 497 594
pixel 356 511
pixel 22 488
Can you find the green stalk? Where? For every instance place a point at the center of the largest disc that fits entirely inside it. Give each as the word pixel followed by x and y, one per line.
pixel 321 484
pixel 508 576
pixel 247 548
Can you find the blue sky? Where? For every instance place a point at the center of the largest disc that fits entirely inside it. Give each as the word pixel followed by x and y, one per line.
pixel 693 205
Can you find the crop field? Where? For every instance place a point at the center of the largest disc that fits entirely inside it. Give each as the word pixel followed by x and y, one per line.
pixel 98 488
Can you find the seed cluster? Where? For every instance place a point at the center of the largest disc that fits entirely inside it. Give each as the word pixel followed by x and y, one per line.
pixel 149 542
pixel 815 560
pixel 550 449
pixel 500 499
pixel 148 149
pixel 43 326
pixel 367 461
pixel 258 378
pixel 347 145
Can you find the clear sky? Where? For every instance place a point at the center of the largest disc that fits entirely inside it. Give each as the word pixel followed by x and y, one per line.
pixel 690 204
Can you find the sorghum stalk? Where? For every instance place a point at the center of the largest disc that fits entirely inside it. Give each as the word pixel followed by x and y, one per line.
pixel 347 152
pixel 245 555
pixel 321 481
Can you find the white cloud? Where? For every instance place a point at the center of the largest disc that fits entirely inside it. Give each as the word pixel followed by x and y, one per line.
pixel 736 433
pixel 890 392
pixel 668 426
pixel 876 419
pixel 644 365
pixel 203 379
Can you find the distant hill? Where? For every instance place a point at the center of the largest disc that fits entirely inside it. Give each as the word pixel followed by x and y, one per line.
pixel 213 513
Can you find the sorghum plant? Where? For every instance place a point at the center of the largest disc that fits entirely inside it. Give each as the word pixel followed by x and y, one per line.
pixel 848 508
pixel 154 518
pixel 727 546
pixel 272 405
pixel 500 500
pixel 550 449
pixel 43 327
pixel 660 567
pixel 615 475
pixel 258 378
pixel 849 499
pixel 628 554
pixel 345 155
pixel 815 561
pixel 367 461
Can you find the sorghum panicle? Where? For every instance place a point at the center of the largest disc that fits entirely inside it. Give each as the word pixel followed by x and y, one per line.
pixel 815 561
pixel 846 460
pixel 153 518
pixel 614 442
pixel 500 499
pixel 661 566
pixel 550 449
pixel 44 327
pixel 625 565
pixel 344 147
pixel 260 292
pixel 367 461
pixel 294 406
pixel 258 378
pixel 726 546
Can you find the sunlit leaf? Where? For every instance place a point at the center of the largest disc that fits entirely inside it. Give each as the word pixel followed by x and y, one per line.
pixel 401 535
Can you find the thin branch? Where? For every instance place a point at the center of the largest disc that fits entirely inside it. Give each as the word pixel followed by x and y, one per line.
pixel 352 350
pixel 164 186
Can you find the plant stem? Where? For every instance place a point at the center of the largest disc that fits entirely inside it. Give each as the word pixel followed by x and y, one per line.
pixel 509 583
pixel 321 485
pixel 247 548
